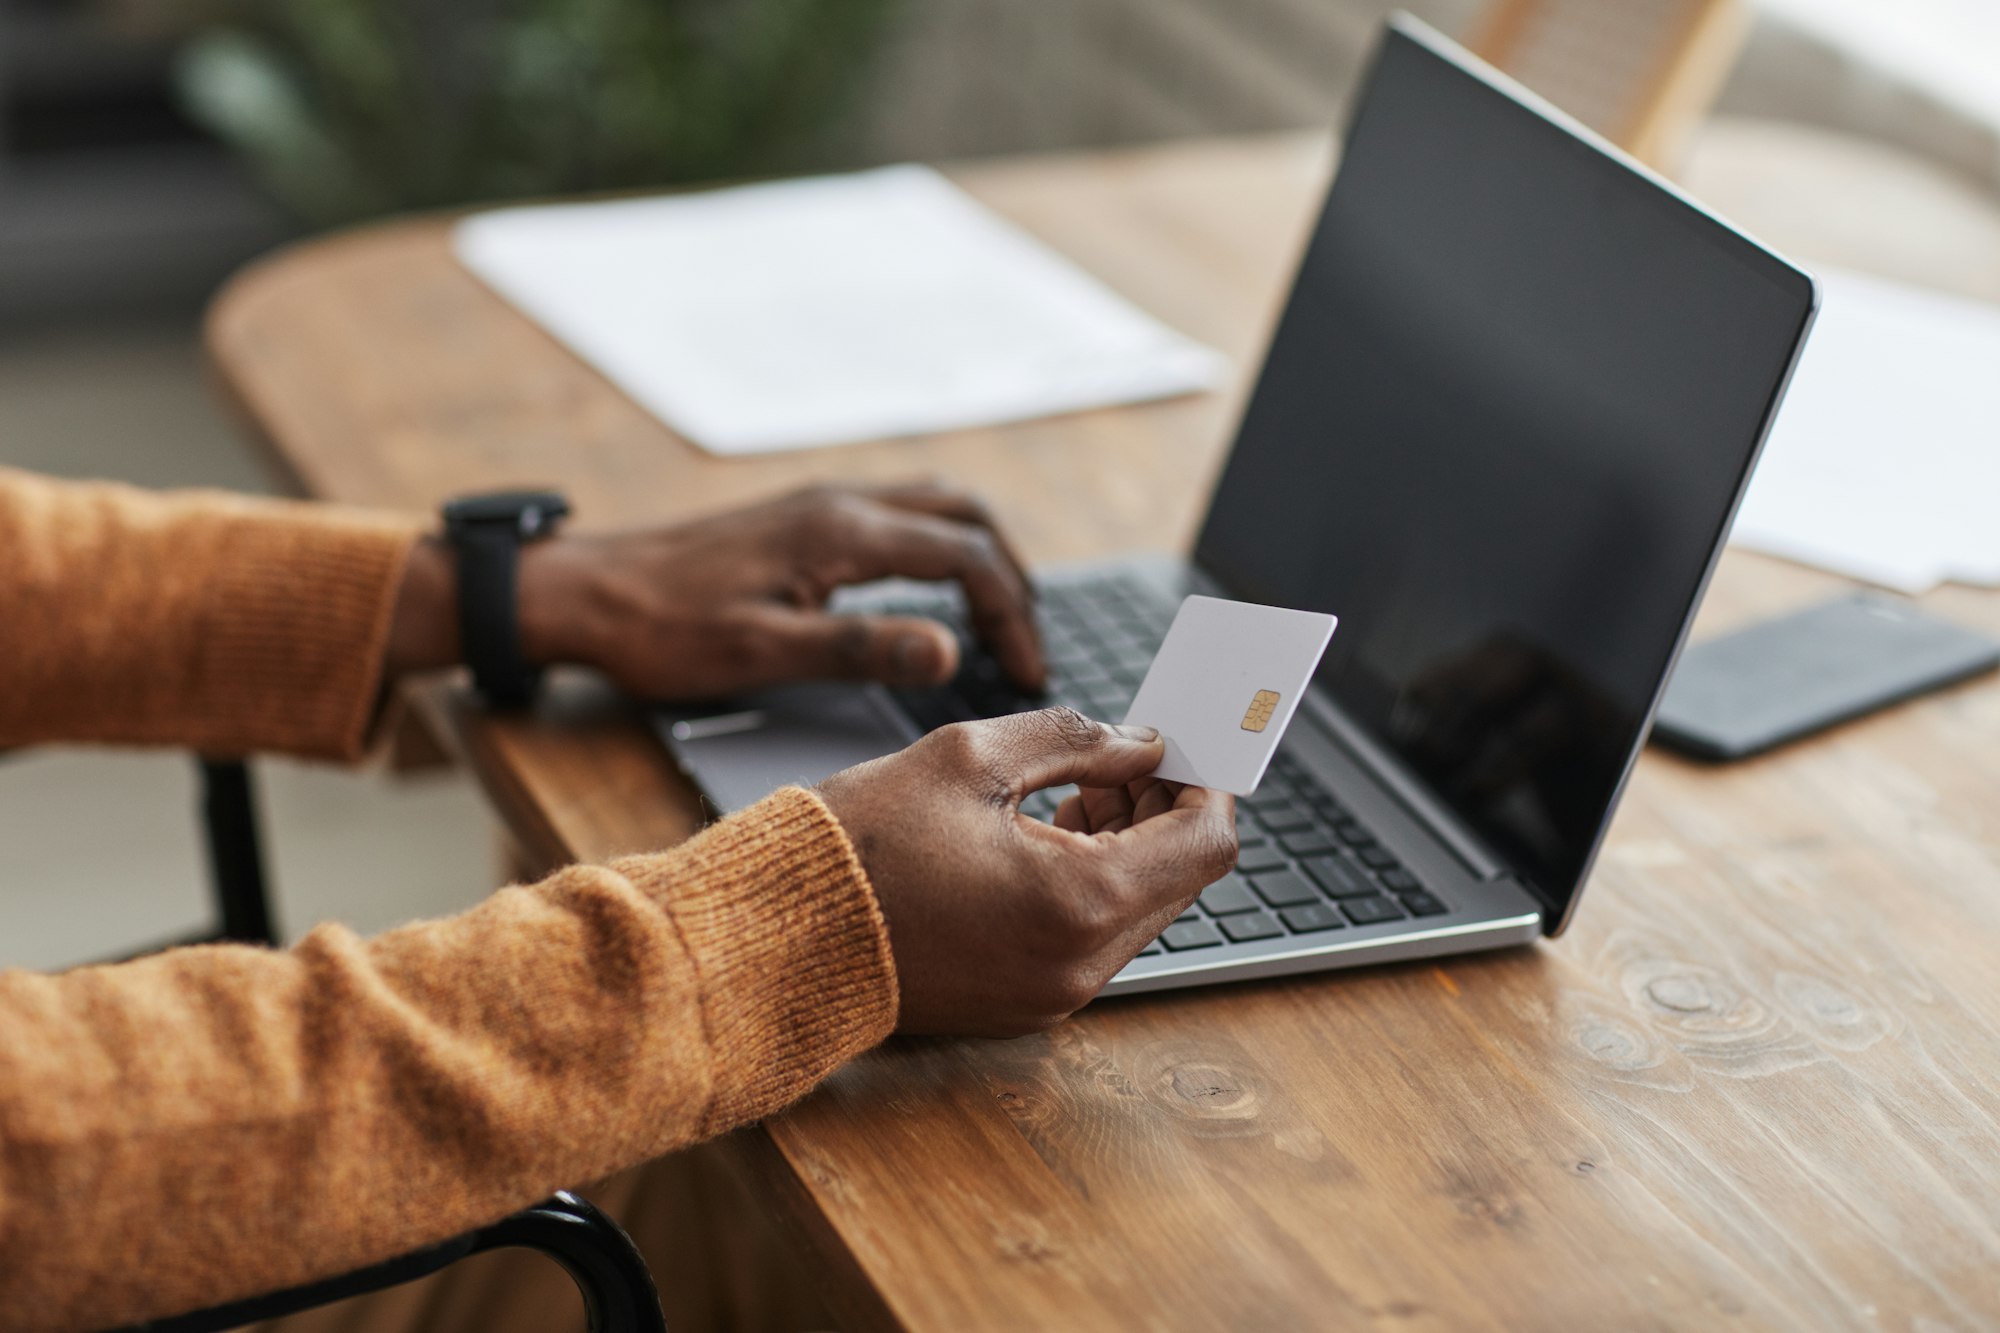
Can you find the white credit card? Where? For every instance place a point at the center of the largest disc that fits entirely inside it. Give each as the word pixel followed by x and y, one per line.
pixel 1224 686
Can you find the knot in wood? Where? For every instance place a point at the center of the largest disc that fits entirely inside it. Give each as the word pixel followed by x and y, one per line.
pixel 1681 993
pixel 1821 1001
pixel 1211 1092
pixel 1836 1017
pixel 1614 1043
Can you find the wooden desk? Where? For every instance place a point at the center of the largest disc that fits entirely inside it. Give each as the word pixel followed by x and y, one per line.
pixel 1757 1085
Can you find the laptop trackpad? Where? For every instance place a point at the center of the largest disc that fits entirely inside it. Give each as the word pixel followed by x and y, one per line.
pixel 742 751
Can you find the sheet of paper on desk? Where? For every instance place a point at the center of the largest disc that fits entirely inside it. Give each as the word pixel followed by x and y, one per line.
pixel 1884 463
pixel 828 310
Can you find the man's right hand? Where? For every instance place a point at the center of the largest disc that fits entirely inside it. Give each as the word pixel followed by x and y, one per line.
pixel 1001 924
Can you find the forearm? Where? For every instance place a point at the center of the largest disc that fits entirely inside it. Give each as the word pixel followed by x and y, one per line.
pixel 204 620
pixel 214 1122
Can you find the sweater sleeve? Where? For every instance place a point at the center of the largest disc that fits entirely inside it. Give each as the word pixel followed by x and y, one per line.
pixel 217 622
pixel 221 1121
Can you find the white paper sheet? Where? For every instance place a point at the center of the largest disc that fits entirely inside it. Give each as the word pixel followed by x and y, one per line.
pixel 1884 463
pixel 827 310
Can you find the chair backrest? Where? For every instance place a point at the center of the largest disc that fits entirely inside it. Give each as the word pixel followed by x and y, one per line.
pixel 609 1272
pixel 1640 72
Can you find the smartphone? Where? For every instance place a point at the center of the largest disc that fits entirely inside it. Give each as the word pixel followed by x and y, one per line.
pixel 1757 688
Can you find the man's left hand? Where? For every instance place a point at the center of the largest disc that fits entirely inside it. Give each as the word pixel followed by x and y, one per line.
pixel 738 600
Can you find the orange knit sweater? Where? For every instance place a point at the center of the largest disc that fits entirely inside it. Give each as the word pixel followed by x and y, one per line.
pixel 214 1122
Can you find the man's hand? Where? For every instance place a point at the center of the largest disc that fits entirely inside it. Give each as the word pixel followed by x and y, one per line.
pixel 1001 924
pixel 739 600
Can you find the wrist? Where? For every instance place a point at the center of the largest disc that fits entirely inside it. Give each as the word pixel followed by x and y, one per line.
pixel 488 534
pixel 423 630
pixel 424 635
pixel 554 603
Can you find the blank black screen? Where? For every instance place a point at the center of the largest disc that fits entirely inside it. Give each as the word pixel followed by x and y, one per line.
pixel 1500 433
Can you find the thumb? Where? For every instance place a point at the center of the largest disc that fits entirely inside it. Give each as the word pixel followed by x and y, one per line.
pixel 896 650
pixel 1056 745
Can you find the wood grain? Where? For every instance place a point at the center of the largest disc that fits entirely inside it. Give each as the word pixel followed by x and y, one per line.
pixel 1642 73
pixel 1756 1086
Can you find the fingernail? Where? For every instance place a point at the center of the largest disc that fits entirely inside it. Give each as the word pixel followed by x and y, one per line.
pixel 1131 733
pixel 915 659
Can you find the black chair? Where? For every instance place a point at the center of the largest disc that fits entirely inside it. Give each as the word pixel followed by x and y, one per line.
pixel 235 854
pixel 618 1292
pixel 610 1273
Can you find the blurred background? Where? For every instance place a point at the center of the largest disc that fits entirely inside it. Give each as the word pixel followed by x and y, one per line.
pixel 149 147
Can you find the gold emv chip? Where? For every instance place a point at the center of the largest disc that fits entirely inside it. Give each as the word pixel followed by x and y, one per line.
pixel 1262 706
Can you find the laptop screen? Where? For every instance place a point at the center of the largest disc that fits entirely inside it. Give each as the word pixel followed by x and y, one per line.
pixel 1501 431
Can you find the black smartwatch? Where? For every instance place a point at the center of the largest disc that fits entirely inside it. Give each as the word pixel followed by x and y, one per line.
pixel 487 532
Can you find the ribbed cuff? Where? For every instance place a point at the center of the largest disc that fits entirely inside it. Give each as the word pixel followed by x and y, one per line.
pixel 296 627
pixel 793 953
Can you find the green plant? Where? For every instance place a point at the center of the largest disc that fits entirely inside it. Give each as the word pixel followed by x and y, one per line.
pixel 350 108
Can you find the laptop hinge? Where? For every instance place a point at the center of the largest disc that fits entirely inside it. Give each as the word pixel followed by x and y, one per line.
pixel 1408 791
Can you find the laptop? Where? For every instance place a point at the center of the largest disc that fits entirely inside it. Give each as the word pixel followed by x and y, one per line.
pixel 1501 431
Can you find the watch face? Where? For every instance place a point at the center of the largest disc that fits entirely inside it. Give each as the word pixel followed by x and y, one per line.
pixel 531 512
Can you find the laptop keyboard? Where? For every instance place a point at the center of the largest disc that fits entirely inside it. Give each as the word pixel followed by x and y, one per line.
pixel 1308 864
pixel 1098 638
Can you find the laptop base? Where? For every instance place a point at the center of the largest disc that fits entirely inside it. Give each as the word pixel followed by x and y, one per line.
pixel 1335 870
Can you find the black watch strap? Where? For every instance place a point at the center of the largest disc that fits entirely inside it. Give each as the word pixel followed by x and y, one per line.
pixel 486 534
